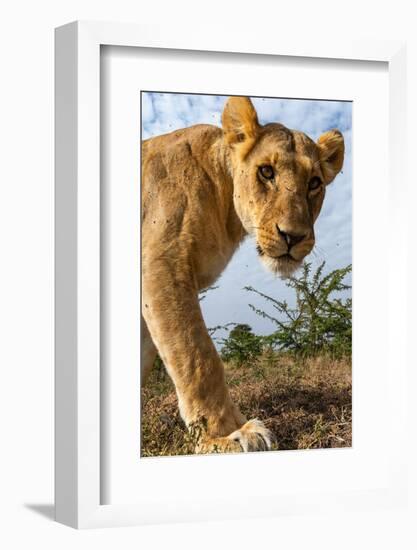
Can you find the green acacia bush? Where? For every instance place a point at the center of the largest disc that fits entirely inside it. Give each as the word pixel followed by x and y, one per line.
pixel 319 322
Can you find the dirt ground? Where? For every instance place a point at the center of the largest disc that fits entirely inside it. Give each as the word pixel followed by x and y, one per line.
pixel 306 403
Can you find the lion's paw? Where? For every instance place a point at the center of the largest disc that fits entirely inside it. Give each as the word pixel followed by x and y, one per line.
pixel 252 436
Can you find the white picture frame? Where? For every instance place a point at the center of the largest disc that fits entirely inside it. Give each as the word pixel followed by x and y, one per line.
pixel 78 405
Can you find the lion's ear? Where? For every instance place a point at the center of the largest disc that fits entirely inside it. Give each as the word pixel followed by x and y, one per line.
pixel 240 123
pixel 332 152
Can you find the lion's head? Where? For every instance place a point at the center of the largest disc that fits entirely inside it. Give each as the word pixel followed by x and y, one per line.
pixel 280 178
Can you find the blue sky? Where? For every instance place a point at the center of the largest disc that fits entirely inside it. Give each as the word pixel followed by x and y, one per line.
pixel 165 112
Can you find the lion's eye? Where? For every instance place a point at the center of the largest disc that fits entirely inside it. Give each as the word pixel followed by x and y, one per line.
pixel 314 183
pixel 266 172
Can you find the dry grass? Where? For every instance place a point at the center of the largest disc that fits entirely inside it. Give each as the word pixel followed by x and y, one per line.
pixel 307 404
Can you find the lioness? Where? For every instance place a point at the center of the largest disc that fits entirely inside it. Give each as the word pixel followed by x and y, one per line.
pixel 203 190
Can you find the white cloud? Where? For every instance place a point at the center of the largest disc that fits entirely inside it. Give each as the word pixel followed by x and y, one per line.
pixel 162 113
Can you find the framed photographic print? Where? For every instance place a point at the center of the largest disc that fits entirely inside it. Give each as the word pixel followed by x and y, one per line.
pixel 224 347
pixel 273 362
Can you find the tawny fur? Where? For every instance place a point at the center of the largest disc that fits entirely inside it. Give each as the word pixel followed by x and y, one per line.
pixel 201 195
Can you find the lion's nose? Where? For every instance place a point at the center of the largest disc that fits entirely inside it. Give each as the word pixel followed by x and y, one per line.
pixel 290 238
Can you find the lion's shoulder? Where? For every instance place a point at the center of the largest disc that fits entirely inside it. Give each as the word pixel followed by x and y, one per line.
pixel 179 168
pixel 194 138
pixel 180 157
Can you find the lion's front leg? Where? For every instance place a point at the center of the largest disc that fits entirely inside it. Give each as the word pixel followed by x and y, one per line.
pixel 177 328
